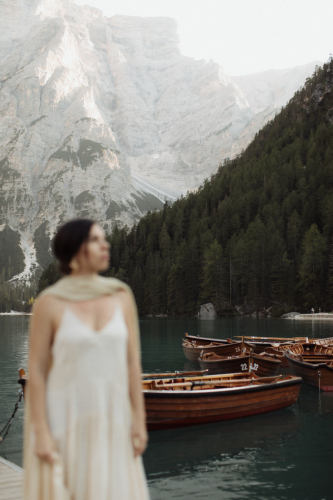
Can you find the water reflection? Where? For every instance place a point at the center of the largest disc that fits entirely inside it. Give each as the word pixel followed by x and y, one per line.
pixel 270 457
pixel 13 354
pixel 316 402
pixel 199 444
pixel 231 327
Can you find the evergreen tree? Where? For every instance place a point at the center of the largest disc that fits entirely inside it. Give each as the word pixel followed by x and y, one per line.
pixel 212 279
pixel 282 280
pixel 313 266
pixel 329 283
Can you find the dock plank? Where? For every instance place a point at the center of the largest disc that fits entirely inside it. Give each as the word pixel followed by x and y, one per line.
pixel 11 481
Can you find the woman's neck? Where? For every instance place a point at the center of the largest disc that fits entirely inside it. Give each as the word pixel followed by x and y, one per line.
pixel 85 274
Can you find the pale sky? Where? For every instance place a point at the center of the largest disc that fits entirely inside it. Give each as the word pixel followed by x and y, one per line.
pixel 243 36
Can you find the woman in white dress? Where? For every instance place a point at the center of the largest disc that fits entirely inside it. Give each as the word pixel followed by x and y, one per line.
pixel 85 424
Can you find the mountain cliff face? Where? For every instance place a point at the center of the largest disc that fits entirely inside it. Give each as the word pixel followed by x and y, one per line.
pixel 103 117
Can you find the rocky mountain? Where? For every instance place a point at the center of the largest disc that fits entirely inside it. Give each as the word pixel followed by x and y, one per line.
pixel 104 117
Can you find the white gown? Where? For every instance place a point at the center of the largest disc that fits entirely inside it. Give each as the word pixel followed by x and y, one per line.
pixel 89 411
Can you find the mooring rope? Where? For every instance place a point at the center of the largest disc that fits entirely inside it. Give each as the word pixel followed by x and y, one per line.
pixel 9 423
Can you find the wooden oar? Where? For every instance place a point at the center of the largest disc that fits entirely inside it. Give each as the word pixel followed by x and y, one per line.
pixel 198 383
pixel 194 374
pixel 250 380
pixel 172 375
pixel 271 338
pixel 328 358
pixel 317 361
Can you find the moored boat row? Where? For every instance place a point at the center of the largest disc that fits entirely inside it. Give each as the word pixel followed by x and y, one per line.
pixel 274 347
pixel 237 379
pixel 205 352
pixel 312 360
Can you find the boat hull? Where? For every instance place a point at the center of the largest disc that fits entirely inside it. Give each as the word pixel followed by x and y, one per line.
pixel 259 365
pixel 314 363
pixel 168 409
pixel 310 373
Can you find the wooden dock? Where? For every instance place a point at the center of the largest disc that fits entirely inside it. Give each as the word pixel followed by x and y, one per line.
pixel 11 481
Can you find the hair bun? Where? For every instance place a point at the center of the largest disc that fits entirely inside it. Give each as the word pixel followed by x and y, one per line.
pixel 68 240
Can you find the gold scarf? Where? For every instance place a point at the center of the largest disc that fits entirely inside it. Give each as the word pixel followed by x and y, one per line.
pixel 79 288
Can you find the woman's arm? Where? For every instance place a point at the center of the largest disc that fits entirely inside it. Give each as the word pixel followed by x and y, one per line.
pixel 39 358
pixel 139 428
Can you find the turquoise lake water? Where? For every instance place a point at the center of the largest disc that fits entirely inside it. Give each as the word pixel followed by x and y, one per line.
pixel 284 455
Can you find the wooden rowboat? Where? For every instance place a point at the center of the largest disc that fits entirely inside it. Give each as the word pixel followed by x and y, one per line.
pixel 260 364
pixel 256 342
pixel 277 349
pixel 314 363
pixel 193 349
pixel 204 340
pixel 185 401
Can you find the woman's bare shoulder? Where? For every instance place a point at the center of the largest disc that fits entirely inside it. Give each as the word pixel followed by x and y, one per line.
pixel 125 300
pixel 48 305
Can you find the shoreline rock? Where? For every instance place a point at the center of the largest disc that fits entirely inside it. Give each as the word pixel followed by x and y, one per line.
pixel 291 315
pixel 207 311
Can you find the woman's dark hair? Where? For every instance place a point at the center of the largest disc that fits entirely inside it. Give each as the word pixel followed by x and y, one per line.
pixel 68 241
